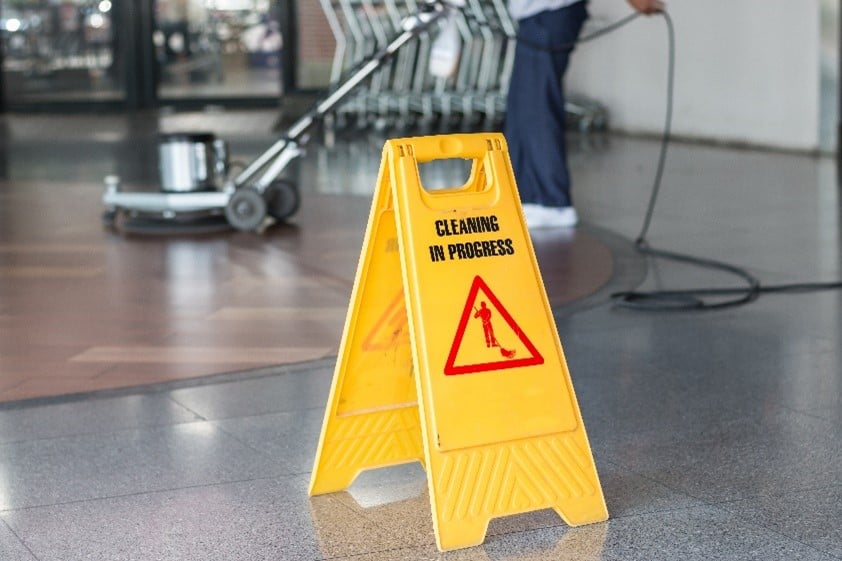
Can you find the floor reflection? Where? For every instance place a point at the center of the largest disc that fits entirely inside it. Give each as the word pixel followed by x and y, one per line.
pixel 395 500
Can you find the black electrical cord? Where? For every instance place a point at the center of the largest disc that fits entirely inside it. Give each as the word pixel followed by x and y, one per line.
pixel 552 48
pixel 694 299
pixel 676 300
pixel 583 39
pixel 668 300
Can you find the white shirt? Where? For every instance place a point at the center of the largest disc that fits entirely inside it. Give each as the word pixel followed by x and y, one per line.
pixel 520 9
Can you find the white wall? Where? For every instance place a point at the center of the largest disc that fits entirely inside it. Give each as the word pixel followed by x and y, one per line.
pixel 746 70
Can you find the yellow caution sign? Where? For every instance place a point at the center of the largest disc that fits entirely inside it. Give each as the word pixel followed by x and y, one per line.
pixel 450 354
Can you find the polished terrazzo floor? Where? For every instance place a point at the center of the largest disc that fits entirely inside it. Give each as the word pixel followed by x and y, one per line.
pixel 716 435
pixel 86 308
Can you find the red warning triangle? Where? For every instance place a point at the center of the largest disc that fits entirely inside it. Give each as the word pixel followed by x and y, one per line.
pixel 391 328
pixel 508 356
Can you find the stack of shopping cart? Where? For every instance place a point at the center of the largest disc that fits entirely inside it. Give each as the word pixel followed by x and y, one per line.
pixel 403 92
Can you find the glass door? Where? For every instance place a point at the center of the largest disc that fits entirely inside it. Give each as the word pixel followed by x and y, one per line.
pixel 61 51
pixel 141 53
pixel 217 49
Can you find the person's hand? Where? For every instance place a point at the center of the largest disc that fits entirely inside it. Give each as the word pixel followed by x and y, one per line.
pixel 647 6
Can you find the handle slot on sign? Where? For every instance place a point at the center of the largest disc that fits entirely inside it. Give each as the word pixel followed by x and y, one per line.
pixel 446 174
pixel 479 191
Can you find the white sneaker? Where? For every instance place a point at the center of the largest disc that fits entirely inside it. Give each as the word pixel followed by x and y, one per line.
pixel 560 217
pixel 534 215
pixel 538 216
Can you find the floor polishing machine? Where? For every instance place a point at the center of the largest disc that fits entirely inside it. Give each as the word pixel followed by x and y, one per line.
pixel 198 190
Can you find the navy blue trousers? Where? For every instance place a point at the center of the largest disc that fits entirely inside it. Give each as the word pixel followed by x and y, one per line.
pixel 535 120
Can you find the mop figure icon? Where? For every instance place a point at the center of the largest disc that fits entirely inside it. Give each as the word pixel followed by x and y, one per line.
pixel 484 315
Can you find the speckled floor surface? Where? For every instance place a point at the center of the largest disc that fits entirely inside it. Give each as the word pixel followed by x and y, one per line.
pixel 716 435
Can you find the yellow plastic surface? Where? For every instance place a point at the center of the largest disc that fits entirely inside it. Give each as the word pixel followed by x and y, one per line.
pixel 449 305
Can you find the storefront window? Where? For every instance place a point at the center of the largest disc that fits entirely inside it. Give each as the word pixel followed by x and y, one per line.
pixel 60 50
pixel 217 48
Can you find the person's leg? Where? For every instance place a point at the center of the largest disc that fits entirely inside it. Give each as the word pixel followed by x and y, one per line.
pixel 535 120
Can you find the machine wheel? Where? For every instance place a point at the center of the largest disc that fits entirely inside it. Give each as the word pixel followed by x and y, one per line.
pixel 282 199
pixel 109 218
pixel 246 210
